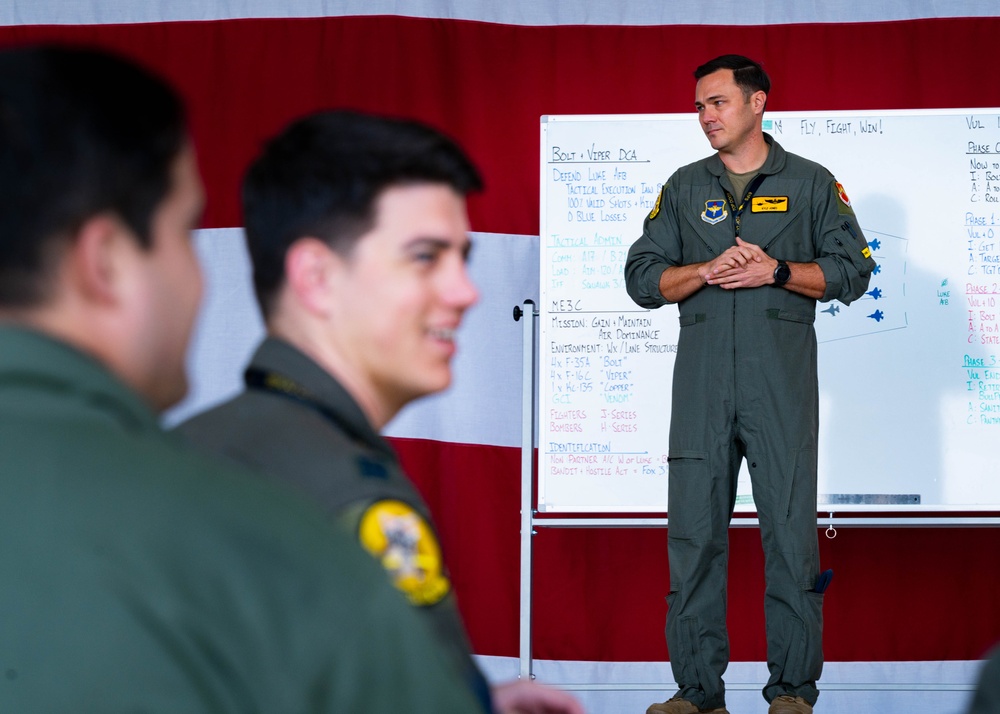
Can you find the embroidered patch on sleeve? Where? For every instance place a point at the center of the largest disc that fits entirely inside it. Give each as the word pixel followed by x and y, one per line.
pixel 656 207
pixel 867 252
pixel 843 194
pixel 402 540
pixel 844 203
pixel 769 204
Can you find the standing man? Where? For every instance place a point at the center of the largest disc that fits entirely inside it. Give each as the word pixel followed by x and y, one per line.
pixel 745 242
pixel 138 576
pixel 357 230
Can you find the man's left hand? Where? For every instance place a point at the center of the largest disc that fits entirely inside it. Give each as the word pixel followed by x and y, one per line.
pixel 758 271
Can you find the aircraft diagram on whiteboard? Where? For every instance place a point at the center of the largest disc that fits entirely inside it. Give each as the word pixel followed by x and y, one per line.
pixel 883 307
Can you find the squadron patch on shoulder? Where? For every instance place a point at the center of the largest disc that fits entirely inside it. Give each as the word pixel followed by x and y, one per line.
pixel 867 252
pixel 843 202
pixel 769 204
pixel 656 207
pixel 402 540
pixel 842 194
pixel 715 212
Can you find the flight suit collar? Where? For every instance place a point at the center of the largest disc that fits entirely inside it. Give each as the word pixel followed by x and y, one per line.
pixel 278 356
pixel 773 164
pixel 32 358
pixel 718 235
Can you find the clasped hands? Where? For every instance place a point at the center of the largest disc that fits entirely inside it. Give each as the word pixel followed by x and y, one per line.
pixel 744 265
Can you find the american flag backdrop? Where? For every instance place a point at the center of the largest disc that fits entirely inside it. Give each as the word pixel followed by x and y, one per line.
pixel 484 72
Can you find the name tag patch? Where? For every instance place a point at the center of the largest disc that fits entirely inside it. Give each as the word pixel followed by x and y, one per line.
pixel 769 204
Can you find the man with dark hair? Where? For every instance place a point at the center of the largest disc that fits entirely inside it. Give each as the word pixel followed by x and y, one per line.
pixel 137 575
pixel 745 242
pixel 749 76
pixel 358 234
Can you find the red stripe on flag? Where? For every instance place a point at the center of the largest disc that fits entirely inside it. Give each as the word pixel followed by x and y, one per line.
pixel 488 84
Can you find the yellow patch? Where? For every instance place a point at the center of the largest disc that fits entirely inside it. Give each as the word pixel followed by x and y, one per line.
pixel 405 544
pixel 656 208
pixel 769 204
pixel 867 252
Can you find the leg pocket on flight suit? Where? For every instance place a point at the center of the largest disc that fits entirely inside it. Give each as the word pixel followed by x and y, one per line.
pixel 689 495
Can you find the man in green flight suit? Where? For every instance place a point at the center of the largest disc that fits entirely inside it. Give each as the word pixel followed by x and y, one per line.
pixel 357 229
pixel 745 242
pixel 137 575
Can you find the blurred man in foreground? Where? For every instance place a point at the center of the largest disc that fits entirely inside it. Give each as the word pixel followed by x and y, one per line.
pixel 138 576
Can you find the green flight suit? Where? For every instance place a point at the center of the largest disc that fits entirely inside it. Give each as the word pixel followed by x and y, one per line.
pixel 986 698
pixel 296 423
pixel 141 577
pixel 745 386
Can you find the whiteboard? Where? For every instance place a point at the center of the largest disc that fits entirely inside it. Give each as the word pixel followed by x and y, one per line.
pixel 909 374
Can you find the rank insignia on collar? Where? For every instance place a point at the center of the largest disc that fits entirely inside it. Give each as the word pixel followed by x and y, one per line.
pixel 369 468
pixel 715 212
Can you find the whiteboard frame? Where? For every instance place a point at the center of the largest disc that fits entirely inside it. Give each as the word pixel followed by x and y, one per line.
pixel 544 166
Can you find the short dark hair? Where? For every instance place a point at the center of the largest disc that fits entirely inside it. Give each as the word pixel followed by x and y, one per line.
pixel 322 175
pixel 82 132
pixel 749 76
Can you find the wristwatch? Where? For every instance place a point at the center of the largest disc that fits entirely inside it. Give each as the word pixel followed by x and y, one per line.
pixel 782 273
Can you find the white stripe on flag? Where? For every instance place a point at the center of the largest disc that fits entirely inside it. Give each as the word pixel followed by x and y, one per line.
pixel 483 405
pixel 510 12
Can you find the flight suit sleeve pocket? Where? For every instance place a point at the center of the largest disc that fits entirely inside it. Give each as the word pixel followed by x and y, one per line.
pixel 846 263
pixel 846 242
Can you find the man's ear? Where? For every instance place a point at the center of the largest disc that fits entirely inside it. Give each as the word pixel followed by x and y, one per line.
pixel 758 99
pixel 310 268
pixel 97 258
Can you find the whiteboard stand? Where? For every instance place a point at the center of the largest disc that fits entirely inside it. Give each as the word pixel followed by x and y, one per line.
pixel 527 479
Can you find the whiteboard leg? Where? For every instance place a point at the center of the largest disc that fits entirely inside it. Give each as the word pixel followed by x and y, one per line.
pixel 527 483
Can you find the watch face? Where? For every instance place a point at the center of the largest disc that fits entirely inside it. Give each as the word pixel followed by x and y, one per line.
pixel 782 273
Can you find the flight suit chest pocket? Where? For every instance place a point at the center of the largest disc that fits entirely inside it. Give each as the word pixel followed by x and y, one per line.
pixel 768 230
pixel 804 318
pixel 692 319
